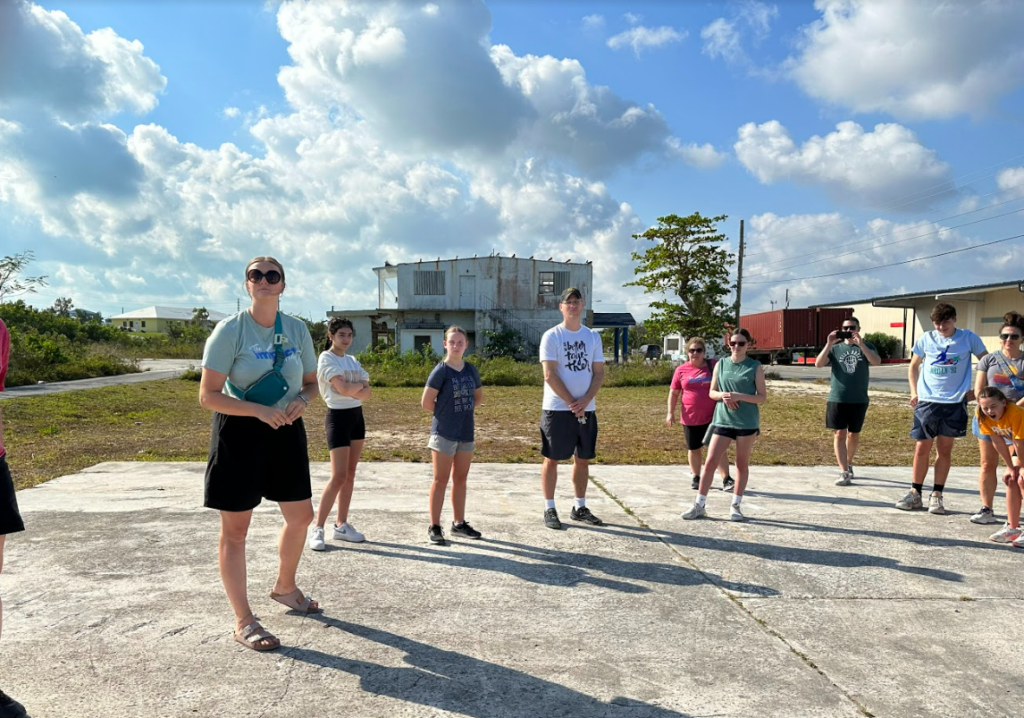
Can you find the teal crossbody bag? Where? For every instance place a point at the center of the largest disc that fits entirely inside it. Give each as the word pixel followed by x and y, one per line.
pixel 272 386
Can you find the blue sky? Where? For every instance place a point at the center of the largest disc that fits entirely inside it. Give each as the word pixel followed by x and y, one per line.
pixel 148 149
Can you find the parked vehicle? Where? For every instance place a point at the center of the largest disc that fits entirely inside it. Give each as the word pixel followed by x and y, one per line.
pixel 650 352
pixel 779 335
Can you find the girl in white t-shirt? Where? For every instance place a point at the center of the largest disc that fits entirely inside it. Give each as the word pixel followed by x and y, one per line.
pixel 343 385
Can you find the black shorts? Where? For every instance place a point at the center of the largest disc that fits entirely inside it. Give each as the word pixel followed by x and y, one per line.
pixel 562 435
pixel 10 517
pixel 250 461
pixel 730 433
pixel 344 426
pixel 933 419
pixel 695 435
pixel 841 415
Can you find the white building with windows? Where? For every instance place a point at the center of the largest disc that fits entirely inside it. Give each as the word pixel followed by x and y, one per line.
pixel 417 301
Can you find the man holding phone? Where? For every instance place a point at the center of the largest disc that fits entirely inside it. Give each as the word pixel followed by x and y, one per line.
pixel 849 356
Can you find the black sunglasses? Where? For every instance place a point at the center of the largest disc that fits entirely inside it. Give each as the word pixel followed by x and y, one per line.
pixel 737 344
pixel 256 276
pixel 696 350
pixel 849 328
pixel 1004 337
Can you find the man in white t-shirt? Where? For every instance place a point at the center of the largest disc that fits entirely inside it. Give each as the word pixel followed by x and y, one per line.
pixel 573 361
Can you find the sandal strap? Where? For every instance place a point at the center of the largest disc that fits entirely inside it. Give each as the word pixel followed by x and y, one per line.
pixel 254 633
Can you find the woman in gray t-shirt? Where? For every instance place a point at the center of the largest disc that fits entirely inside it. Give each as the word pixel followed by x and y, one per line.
pixel 1004 370
pixel 258 442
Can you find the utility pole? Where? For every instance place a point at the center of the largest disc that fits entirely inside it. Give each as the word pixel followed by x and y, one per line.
pixel 739 276
pixel 773 303
pixel 787 298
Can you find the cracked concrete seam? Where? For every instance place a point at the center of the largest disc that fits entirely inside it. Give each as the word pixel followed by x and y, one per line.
pixel 736 600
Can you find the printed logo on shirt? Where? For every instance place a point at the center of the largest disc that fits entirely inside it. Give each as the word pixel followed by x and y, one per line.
pixel 268 353
pixel 703 379
pixel 945 364
pixel 576 358
pixel 462 393
pixel 850 360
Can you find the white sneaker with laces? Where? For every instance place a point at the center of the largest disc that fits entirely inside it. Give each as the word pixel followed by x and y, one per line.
pixel 1007 534
pixel 695 512
pixel 910 502
pixel 347 532
pixel 316 539
pixel 935 504
pixel 735 514
pixel 984 516
pixel 845 478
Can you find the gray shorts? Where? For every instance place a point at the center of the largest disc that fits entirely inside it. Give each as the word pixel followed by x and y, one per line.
pixel 447 446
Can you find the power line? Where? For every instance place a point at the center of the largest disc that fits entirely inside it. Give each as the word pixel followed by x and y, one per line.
pixel 892 264
pixel 885 244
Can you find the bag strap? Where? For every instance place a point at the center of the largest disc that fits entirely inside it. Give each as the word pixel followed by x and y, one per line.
pixel 278 345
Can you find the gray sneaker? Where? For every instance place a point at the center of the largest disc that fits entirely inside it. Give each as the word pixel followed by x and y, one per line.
pixel 347 532
pixel 911 501
pixel 984 516
pixel 845 478
pixel 935 504
pixel 735 514
pixel 695 512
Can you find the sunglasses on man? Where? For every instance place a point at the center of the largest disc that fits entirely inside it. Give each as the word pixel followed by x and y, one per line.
pixel 1007 337
pixel 256 276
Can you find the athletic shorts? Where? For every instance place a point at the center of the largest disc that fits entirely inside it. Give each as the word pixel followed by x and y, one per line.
pixel 933 419
pixel 344 426
pixel 976 430
pixel 730 433
pixel 250 461
pixel 448 446
pixel 695 435
pixel 844 415
pixel 562 435
pixel 10 517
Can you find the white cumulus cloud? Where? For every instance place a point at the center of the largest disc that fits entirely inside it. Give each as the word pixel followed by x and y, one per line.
pixel 1011 181
pixel 886 168
pixel 642 38
pixel 912 59
pixel 724 37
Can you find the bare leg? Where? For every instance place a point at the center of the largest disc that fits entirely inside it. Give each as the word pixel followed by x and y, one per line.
pixel 744 445
pixel 987 472
pixel 723 466
pixel 345 495
pixel 460 472
pixel 234 526
pixel 852 442
pixel 339 467
pixel 580 477
pixel 693 456
pixel 943 458
pixel 718 449
pixel 839 445
pixel 1013 498
pixel 549 477
pixel 442 470
pixel 298 515
pixel 922 454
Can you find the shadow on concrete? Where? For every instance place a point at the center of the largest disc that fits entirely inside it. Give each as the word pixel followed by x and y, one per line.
pixel 788 554
pixel 553 567
pixel 848 500
pixel 904 485
pixel 909 538
pixel 463 685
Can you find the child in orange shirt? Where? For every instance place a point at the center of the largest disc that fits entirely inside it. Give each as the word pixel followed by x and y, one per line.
pixel 1004 422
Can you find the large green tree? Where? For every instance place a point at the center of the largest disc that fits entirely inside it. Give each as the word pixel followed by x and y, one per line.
pixel 687 266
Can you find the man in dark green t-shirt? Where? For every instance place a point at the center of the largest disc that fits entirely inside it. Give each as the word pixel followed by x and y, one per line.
pixel 849 356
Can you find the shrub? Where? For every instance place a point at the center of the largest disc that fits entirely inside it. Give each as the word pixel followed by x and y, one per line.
pixel 889 347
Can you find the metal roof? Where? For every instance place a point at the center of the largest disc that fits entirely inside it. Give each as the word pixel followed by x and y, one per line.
pixel 936 293
pixel 179 313
pixel 613 319
pixel 549 260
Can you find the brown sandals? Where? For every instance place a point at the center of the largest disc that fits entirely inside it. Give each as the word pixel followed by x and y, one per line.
pixel 296 601
pixel 256 637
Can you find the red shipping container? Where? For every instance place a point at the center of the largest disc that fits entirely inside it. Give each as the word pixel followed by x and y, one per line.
pixel 830 320
pixel 781 329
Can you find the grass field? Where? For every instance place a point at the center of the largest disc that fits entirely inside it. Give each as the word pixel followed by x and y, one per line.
pixel 58 434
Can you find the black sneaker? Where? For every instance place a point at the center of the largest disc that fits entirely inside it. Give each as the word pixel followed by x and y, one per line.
pixel 583 514
pixel 727 483
pixel 10 708
pixel 436 535
pixel 464 529
pixel 551 519
pixel 695 484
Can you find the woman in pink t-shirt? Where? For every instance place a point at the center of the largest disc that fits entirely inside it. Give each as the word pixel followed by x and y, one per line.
pixel 690 386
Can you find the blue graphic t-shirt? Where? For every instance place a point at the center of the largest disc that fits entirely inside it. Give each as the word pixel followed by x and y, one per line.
pixel 453 412
pixel 946 371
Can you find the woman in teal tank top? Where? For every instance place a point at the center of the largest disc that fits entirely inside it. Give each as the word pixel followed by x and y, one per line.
pixel 738 385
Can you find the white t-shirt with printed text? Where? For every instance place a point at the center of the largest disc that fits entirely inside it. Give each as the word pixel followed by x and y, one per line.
pixel 576 353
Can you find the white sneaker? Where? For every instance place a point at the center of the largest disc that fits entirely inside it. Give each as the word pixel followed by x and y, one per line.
pixel 845 478
pixel 347 532
pixel 910 502
pixel 1007 534
pixel 935 504
pixel 316 539
pixel 735 514
pixel 984 516
pixel 695 512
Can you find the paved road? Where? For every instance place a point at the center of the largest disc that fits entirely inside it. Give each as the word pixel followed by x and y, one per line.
pixel 152 370
pixel 828 603
pixel 890 377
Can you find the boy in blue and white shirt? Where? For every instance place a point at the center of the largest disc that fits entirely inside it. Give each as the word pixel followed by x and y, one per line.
pixel 940 387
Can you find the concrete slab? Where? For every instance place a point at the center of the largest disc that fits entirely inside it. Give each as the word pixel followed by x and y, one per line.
pixel 828 603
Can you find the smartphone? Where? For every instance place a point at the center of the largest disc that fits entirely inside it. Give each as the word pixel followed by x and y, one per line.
pixel 840 334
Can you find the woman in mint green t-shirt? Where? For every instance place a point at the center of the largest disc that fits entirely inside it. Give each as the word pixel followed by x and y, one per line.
pixel 738 385
pixel 258 450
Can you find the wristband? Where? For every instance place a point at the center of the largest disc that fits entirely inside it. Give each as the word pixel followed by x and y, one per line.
pixel 303 397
